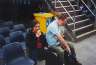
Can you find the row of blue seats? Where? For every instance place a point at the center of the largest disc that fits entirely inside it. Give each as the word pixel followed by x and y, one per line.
pixel 12 33
pixel 7 27
pixel 16 36
pixel 13 54
pixel 11 41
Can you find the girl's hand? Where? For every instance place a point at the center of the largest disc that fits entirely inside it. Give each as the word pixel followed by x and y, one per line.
pixel 38 33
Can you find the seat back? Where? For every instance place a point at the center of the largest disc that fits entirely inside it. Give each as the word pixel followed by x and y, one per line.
pixel 16 36
pixel 8 24
pixel 2 41
pixel 5 31
pixel 19 27
pixel 1 57
pixel 13 51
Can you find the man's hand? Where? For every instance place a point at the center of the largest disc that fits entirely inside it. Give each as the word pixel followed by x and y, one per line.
pixel 45 48
pixel 63 42
pixel 66 47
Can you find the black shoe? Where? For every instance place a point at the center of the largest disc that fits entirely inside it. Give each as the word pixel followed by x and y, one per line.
pixel 77 63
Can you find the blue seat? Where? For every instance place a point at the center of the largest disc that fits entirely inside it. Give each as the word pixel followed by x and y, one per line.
pixel 16 36
pixel 1 56
pixel 9 24
pixel 2 41
pixel 14 55
pixel 5 31
pixel 1 25
pixel 7 39
pixel 19 27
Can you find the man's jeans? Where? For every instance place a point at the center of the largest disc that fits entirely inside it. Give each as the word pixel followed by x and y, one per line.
pixel 60 52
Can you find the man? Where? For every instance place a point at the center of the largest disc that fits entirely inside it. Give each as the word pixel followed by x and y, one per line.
pixel 57 42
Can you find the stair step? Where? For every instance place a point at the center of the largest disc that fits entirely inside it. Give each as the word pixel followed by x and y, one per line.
pixel 79 22
pixel 78 12
pixel 65 6
pixel 87 33
pixel 61 1
pixel 71 13
pixel 82 27
pixel 79 25
pixel 77 15
pixel 58 1
pixel 77 18
pixel 82 31
pixel 65 3
pixel 68 11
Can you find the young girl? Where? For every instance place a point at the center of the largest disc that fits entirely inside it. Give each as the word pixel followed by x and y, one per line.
pixel 35 42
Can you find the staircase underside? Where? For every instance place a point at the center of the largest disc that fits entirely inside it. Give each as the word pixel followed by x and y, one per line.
pixel 84 25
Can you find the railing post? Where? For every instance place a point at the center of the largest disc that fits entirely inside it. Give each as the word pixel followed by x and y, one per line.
pixel 74 35
pixel 65 10
pixel 95 23
pixel 55 3
pixel 94 14
pixel 73 16
pixel 87 7
pixel 91 10
pixel 93 3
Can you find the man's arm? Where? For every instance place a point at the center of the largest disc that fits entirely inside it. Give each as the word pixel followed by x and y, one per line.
pixel 63 43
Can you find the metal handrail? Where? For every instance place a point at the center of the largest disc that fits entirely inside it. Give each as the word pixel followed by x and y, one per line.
pixel 74 12
pixel 87 7
pixel 47 2
pixel 66 10
pixel 93 3
pixel 71 5
pixel 95 15
pixel 55 3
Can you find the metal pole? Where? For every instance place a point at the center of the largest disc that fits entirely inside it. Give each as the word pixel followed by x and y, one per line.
pixel 55 3
pixel 95 23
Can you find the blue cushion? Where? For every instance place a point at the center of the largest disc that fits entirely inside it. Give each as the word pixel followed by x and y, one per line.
pixel 13 51
pixel 5 31
pixel 16 36
pixel 1 53
pixel 14 55
pixel 22 61
pixel 9 24
pixel 19 27
pixel 2 41
pixel 7 39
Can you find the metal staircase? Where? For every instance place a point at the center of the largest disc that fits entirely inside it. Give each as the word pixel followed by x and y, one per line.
pixel 79 24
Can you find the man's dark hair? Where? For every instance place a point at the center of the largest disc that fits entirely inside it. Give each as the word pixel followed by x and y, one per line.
pixel 61 16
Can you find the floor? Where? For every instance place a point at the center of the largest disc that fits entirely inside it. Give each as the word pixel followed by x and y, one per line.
pixel 85 50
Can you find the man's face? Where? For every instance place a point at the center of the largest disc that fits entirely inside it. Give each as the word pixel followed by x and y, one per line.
pixel 61 22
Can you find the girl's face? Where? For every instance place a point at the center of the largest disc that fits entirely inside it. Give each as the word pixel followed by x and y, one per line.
pixel 36 27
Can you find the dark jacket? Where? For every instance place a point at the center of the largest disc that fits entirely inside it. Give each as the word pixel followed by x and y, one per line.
pixel 31 40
